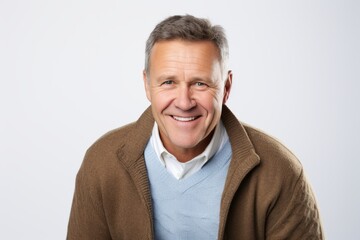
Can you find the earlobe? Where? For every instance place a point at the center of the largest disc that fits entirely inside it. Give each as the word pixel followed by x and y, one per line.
pixel 227 88
pixel 146 85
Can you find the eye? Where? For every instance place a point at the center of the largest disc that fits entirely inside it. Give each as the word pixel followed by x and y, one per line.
pixel 200 84
pixel 167 82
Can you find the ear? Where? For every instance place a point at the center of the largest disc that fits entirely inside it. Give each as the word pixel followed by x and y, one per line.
pixel 227 88
pixel 147 85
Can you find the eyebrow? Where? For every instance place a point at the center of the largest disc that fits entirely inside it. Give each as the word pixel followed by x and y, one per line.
pixel 166 76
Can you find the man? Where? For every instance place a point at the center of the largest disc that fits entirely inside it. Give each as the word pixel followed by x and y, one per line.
pixel 188 169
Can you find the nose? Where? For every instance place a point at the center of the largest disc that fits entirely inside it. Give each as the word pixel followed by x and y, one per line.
pixel 184 99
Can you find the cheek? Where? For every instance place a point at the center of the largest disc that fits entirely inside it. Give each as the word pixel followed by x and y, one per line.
pixel 160 100
pixel 210 100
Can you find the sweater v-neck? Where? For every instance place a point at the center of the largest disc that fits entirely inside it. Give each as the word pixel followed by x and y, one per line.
pixel 158 172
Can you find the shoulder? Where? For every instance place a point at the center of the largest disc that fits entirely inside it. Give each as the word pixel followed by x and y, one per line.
pixel 112 140
pixel 134 135
pixel 275 158
pixel 268 145
pixel 101 156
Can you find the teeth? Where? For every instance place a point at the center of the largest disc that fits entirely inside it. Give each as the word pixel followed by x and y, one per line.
pixel 183 119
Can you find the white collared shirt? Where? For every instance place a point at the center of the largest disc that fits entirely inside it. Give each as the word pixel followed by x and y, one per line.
pixel 182 170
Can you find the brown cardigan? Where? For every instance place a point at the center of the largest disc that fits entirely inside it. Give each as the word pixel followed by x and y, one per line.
pixel 266 195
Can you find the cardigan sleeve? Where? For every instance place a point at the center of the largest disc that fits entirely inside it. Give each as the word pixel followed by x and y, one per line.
pixel 87 217
pixel 299 219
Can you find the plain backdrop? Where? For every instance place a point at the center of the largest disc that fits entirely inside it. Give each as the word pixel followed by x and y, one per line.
pixel 71 70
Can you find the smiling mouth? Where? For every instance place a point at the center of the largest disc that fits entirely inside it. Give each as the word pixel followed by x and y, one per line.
pixel 184 119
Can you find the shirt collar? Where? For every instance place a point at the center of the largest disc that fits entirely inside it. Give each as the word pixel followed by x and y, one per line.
pixel 180 170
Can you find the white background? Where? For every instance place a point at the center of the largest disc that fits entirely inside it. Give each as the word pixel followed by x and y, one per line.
pixel 71 70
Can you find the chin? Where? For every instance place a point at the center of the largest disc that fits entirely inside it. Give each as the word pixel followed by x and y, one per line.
pixel 185 145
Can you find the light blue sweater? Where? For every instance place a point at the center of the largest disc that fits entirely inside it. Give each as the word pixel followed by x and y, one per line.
pixel 188 208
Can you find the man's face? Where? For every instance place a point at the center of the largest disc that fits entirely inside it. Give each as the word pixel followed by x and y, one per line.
pixel 186 89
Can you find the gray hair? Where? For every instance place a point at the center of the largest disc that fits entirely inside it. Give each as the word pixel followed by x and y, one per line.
pixel 189 28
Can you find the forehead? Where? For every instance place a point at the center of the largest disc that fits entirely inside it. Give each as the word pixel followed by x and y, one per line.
pixel 183 52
